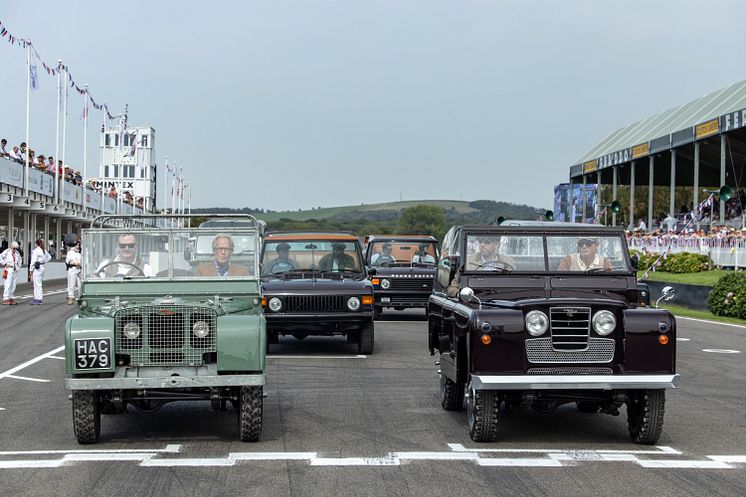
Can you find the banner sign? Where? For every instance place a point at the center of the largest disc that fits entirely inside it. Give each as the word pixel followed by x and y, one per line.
pixel 640 150
pixel 707 129
pixel 72 193
pixel 92 200
pixel 614 158
pixel 11 173
pixel 733 120
pixel 590 166
pixel 40 182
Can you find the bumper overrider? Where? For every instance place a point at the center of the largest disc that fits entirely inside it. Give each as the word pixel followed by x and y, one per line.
pixel 165 378
pixel 575 382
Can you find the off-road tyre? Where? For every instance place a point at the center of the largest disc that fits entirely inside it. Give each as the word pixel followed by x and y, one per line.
pixel 377 312
pixel 481 412
pixel 588 407
pixel 250 407
pixel 451 394
pixel 645 411
pixel 86 416
pixel 366 341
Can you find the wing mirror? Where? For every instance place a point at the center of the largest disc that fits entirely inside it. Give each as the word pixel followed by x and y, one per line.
pixel 467 295
pixel 668 293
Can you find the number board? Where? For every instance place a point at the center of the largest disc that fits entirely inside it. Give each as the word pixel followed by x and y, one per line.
pixel 92 353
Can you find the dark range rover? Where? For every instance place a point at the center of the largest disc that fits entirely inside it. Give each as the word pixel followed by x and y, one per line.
pixel 316 284
pixel 543 314
pixel 401 268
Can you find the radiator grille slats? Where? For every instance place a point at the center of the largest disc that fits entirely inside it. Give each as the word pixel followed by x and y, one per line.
pixel 412 284
pixel 570 328
pixel 315 303
pixel 166 336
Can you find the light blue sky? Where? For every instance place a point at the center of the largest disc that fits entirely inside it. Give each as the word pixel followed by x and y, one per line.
pixel 289 104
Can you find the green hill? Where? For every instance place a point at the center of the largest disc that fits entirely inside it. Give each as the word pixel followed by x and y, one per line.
pixel 364 210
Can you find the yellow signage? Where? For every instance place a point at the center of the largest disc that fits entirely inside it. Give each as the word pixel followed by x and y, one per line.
pixel 640 150
pixel 590 166
pixel 707 129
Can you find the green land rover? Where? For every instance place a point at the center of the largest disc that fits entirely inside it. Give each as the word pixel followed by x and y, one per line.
pixel 167 312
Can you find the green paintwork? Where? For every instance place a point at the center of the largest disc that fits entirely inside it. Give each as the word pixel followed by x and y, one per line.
pixel 76 327
pixel 241 343
pixel 182 288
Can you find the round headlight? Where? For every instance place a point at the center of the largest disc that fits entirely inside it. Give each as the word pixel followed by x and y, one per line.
pixel 201 329
pixel 131 330
pixel 353 303
pixel 604 322
pixel 275 304
pixel 385 284
pixel 536 323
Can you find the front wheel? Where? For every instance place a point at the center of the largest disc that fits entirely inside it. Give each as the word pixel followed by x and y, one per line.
pixel 250 406
pixel 366 340
pixel 645 411
pixel 86 416
pixel 481 411
pixel 451 394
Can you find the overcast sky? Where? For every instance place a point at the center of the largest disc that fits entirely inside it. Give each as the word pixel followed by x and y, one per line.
pixel 288 104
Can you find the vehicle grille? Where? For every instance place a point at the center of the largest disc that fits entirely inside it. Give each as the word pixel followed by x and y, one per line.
pixel 540 350
pixel 166 336
pixel 570 327
pixel 315 303
pixel 570 370
pixel 412 284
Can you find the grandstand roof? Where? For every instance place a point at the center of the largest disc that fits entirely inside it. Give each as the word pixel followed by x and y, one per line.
pixel 666 123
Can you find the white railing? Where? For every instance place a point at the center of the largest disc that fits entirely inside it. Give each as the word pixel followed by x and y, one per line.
pixel 730 252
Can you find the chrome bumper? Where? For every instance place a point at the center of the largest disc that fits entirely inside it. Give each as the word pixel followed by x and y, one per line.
pixel 151 377
pixel 575 382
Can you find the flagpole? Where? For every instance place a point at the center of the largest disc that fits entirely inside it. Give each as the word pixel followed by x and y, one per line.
pixel 64 134
pixel 28 115
pixel 57 136
pixel 189 200
pixel 85 135
pixel 165 187
pixel 120 190
pixel 173 194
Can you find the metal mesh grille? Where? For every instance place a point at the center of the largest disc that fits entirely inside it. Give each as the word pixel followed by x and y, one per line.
pixel 315 303
pixel 540 350
pixel 418 284
pixel 561 370
pixel 166 337
pixel 570 327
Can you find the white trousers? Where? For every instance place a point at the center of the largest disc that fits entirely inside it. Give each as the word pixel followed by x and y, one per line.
pixel 37 277
pixel 73 282
pixel 9 285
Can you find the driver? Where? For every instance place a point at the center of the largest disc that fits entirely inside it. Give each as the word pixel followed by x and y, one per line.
pixel 127 262
pixel 487 258
pixel 222 249
pixel 384 257
pixel 283 262
pixel 422 256
pixel 586 258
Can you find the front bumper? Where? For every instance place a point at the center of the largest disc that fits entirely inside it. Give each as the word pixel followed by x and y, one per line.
pixel 401 299
pixel 173 378
pixel 319 322
pixel 575 382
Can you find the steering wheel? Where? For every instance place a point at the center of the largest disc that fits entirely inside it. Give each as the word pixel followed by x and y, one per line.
pixel 101 269
pixel 497 265
pixel 281 266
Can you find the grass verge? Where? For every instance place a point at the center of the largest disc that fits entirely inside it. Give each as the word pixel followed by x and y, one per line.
pixel 691 313
pixel 707 278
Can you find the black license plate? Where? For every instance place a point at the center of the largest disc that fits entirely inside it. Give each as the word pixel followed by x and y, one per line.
pixel 92 353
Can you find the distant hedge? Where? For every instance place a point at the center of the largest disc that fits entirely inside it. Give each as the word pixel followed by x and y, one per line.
pixel 728 296
pixel 682 262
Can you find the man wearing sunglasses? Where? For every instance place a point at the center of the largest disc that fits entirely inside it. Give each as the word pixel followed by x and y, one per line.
pixel 586 258
pixel 127 262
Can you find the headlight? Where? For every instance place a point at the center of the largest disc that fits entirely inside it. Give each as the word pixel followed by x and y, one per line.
pixel 604 322
pixel 275 304
pixel 385 284
pixel 201 329
pixel 536 323
pixel 131 330
pixel 353 303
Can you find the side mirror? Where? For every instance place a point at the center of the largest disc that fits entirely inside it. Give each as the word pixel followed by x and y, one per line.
pixel 635 260
pixel 372 270
pixel 467 294
pixel 668 293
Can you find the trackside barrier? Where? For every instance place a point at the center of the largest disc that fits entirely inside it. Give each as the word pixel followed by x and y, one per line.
pixel 728 252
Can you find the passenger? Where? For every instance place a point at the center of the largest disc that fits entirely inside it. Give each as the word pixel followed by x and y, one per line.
pixel 283 262
pixel 127 262
pixel 222 249
pixel 337 260
pixel 487 258
pixel 586 258
pixel 384 257
pixel 422 256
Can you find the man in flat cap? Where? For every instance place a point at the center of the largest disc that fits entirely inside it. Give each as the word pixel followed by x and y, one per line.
pixel 282 262
pixel 337 260
pixel 586 258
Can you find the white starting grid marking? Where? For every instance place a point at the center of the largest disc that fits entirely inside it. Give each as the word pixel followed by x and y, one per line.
pixel 53 292
pixel 722 351
pixel 11 372
pixel 661 457
pixel 286 356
